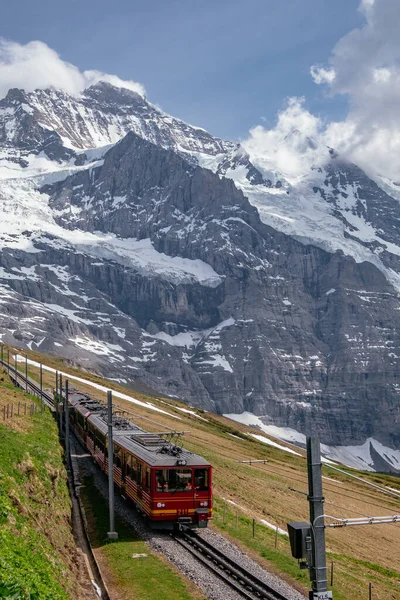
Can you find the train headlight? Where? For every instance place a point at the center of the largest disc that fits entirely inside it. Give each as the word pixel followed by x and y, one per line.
pixel 181 462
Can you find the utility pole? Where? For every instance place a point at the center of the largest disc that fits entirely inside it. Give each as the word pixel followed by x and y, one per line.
pixel 112 534
pixel 318 573
pixel 66 423
pixel 61 408
pixel 56 399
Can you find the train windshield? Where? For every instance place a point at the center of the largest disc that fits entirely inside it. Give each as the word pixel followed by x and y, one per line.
pixel 201 480
pixel 174 480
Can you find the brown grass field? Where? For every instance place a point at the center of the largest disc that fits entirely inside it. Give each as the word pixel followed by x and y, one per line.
pixel 275 491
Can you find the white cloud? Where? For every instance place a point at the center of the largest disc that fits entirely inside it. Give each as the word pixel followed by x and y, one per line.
pixel 291 147
pixel 322 75
pixel 364 67
pixel 366 64
pixel 35 65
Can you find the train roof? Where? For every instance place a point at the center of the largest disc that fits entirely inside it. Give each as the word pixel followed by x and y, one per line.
pixel 152 448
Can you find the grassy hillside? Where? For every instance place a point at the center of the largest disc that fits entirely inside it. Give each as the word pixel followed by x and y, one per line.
pixel 38 558
pixel 276 492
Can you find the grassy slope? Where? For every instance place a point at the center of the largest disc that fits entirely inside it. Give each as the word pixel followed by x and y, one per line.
pixel 35 555
pixel 276 492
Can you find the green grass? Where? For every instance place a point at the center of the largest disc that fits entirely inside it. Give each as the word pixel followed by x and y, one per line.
pixel 144 578
pixel 268 545
pixel 33 498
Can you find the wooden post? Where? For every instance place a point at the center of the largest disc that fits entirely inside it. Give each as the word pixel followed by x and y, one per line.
pixel 276 536
pixel 8 408
pixel 254 527
pixel 370 591
pixel 224 515
pixel 237 516
pixel 12 409
pixel 25 409
pixel 4 412
pixel 331 573
pixel 19 407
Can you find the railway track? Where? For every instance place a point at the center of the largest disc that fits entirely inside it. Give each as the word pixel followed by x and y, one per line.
pixel 234 575
pixel 28 384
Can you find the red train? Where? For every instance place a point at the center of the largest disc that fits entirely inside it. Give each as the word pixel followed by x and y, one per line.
pixel 168 484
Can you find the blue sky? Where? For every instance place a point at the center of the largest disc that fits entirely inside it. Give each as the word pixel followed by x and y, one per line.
pixel 223 65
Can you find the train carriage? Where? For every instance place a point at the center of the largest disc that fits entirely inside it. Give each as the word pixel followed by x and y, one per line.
pixel 168 484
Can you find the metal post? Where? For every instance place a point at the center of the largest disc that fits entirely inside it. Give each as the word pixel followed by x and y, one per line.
pixel 41 382
pixel 56 402
pixel 318 572
pixel 61 407
pixel 26 373
pixel 112 534
pixel 66 423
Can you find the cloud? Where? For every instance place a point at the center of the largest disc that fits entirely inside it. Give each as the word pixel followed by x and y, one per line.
pixel 291 147
pixel 365 68
pixel 35 65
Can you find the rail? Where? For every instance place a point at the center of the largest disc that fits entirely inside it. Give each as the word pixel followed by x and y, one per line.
pixel 28 384
pixel 233 574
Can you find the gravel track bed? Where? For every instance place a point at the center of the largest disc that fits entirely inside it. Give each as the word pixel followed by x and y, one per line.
pixel 210 585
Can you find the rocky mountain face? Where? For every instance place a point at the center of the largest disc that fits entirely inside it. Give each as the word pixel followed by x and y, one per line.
pixel 135 260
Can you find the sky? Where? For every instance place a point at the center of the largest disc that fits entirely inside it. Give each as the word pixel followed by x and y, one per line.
pixel 249 70
pixel 220 64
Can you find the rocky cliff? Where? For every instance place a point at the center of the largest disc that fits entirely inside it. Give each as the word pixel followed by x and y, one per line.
pixel 143 264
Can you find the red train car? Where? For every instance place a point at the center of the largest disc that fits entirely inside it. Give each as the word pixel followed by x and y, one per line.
pixel 170 485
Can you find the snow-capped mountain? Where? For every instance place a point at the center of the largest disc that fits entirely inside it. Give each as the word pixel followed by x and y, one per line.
pixel 143 247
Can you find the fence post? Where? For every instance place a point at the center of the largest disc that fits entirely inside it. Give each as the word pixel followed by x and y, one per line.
pixel 370 591
pixel 224 514
pixel 276 536
pixel 331 573
pixel 237 517
pixel 12 409
pixel 4 412
pixel 254 526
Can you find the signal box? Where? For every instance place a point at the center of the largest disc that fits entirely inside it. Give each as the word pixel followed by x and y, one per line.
pixel 298 532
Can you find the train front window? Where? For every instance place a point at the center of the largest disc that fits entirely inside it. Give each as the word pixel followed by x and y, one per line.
pixel 174 480
pixel 201 480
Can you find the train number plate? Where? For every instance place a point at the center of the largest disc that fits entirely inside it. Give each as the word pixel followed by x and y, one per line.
pixel 322 595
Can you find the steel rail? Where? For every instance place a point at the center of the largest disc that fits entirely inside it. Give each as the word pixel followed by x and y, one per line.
pixel 17 376
pixel 234 575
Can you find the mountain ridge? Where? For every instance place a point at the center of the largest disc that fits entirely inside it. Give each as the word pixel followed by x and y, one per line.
pixel 150 267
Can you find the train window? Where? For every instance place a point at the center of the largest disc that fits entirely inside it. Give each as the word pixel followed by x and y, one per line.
pixel 128 465
pixel 161 480
pixel 117 456
pixel 147 481
pixel 201 479
pixel 174 480
pixel 139 473
pixel 134 469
